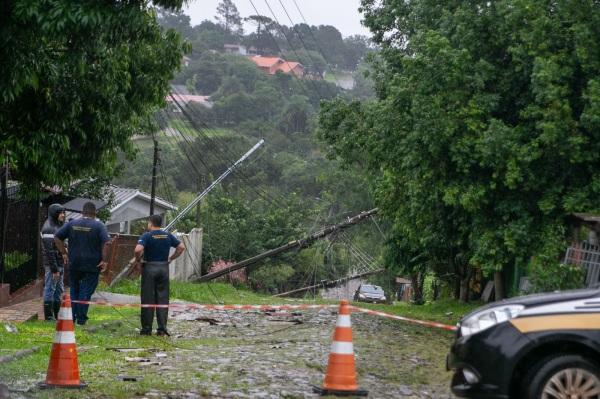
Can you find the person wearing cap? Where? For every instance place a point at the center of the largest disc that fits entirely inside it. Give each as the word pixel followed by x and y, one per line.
pixel 155 246
pixel 86 259
pixel 53 263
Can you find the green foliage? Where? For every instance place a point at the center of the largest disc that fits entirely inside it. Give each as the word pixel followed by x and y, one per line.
pixel 285 190
pixel 14 259
pixel 271 277
pixel 96 189
pixel 546 276
pixel 482 139
pixel 547 273
pixel 77 81
pixel 228 17
pixel 313 61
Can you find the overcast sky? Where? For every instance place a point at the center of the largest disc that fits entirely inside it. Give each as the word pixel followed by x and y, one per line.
pixel 343 14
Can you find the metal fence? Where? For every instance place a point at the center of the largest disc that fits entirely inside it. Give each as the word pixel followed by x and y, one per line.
pixel 585 255
pixel 21 243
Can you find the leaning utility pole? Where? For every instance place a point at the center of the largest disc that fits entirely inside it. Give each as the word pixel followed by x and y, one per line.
pixel 203 194
pixel 153 190
pixel 297 244
pixel 191 205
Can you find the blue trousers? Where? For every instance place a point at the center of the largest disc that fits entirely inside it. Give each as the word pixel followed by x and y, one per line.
pixel 83 285
pixel 53 289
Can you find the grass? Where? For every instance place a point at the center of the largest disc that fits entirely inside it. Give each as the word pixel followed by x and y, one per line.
pixel 98 364
pixel 209 293
pixel 443 311
pixel 337 75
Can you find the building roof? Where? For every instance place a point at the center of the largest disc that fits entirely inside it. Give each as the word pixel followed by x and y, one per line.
pixel 76 205
pixel 275 64
pixel 124 195
pixel 265 62
pixel 289 66
pixel 402 280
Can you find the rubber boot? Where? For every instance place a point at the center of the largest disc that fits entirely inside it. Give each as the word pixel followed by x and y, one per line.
pixel 56 309
pixel 49 311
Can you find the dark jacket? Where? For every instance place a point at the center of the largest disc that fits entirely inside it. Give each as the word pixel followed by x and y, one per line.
pixel 51 258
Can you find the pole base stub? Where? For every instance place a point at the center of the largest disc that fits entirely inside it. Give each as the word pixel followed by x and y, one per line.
pixel 44 385
pixel 335 392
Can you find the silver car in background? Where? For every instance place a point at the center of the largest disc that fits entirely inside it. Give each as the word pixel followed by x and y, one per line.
pixel 370 293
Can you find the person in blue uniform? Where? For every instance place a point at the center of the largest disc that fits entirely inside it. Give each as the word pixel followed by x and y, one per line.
pixel 155 246
pixel 87 256
pixel 53 263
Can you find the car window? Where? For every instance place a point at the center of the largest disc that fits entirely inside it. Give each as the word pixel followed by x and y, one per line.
pixel 371 289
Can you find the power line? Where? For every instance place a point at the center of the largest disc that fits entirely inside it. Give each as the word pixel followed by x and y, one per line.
pixel 224 156
pixel 279 48
pixel 315 40
pixel 302 40
pixel 291 45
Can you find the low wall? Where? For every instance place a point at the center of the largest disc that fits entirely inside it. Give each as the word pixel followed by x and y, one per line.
pixel 182 269
pixel 189 263
pixel 32 290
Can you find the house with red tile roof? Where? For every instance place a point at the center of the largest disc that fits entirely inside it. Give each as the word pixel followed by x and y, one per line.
pixel 272 65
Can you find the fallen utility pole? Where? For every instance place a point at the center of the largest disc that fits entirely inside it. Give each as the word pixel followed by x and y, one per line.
pixel 191 205
pixel 296 244
pixel 330 283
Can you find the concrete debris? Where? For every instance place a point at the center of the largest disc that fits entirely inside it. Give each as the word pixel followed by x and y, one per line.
pixel 11 328
pixel 128 378
pixel 125 350
pixel 209 320
pixel 137 359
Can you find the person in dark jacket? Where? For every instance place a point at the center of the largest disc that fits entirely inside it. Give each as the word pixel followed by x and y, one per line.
pixel 53 262
pixel 87 257
pixel 155 246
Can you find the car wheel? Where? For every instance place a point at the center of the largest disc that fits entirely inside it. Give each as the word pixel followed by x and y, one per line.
pixel 563 377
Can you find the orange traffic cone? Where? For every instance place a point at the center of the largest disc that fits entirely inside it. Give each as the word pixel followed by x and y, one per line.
pixel 340 379
pixel 63 368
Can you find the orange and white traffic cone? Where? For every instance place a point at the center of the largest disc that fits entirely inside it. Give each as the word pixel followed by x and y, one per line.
pixel 340 379
pixel 63 368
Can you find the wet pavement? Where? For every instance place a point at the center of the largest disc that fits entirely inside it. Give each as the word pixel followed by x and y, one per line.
pixel 282 354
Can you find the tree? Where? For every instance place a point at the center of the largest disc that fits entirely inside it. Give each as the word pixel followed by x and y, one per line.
pixel 296 115
pixel 229 18
pixel 332 44
pixel 355 48
pixel 485 126
pixel 175 20
pixel 207 36
pixel 262 39
pixel 78 79
pixel 313 61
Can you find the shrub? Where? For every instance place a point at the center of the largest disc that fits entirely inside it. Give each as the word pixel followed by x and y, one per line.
pixel 552 275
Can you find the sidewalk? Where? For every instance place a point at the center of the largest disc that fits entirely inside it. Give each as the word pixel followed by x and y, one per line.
pixel 22 312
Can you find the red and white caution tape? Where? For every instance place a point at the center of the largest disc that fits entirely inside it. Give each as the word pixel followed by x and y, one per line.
pixel 183 306
pixel 206 307
pixel 413 321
